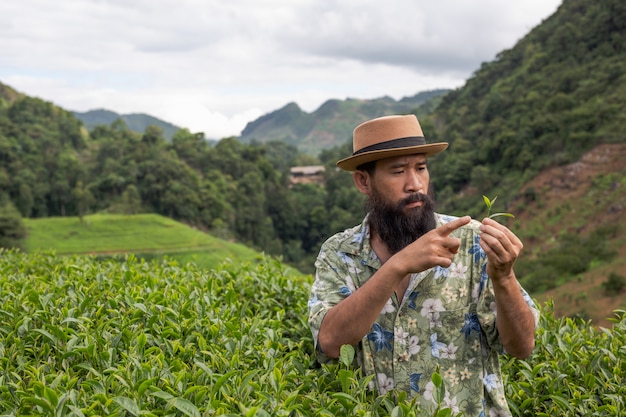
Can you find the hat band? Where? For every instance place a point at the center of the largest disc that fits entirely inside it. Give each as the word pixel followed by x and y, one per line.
pixel 394 144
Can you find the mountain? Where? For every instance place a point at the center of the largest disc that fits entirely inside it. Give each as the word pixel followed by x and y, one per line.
pixel 137 122
pixel 332 123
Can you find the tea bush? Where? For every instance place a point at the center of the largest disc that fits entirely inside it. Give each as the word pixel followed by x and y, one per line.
pixel 82 337
pixel 575 370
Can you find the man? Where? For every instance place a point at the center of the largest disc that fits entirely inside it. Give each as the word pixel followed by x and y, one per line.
pixel 416 291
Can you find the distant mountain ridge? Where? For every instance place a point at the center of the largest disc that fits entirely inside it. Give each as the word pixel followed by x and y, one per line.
pixel 137 122
pixel 332 123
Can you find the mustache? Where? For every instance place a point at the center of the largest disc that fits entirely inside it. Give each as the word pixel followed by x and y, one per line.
pixel 416 197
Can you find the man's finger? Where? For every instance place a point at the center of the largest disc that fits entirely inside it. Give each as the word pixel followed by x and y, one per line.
pixel 446 229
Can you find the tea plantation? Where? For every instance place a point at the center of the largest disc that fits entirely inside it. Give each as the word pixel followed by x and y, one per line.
pixel 86 337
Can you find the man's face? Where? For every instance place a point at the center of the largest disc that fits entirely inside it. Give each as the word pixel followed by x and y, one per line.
pixel 398 202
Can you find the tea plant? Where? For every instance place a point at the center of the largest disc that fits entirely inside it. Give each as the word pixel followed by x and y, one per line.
pixel 82 337
pixel 575 370
pixel 489 204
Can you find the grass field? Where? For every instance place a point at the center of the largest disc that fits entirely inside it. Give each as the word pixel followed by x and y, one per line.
pixel 145 235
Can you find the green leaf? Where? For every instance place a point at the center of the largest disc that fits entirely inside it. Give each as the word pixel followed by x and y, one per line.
pixel 445 412
pixel 344 377
pixel 562 402
pixel 346 400
pixel 76 410
pixel 501 214
pixel 46 334
pixel 397 412
pixel 437 379
pixel 186 407
pixel 346 354
pixel 127 404
pixel 487 201
pixel 145 384
pixel 40 402
pixel 162 394
pixel 51 396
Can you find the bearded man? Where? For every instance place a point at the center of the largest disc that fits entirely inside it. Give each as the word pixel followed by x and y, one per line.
pixel 416 291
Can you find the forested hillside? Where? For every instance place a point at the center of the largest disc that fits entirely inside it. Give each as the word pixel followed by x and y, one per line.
pixel 559 92
pixel 332 123
pixel 556 95
pixel 51 166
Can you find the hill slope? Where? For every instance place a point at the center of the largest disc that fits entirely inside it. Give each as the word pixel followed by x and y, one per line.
pixel 578 200
pixel 147 235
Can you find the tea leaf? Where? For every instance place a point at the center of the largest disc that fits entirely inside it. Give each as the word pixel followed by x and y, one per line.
pixel 437 379
pixel 488 201
pixel 501 214
pixel 186 407
pixel 445 412
pixel 489 204
pixel 127 404
pixel 346 354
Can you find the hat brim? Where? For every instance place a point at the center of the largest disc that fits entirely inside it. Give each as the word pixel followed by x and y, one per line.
pixel 352 162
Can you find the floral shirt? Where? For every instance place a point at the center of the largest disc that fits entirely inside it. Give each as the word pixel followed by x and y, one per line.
pixel 446 321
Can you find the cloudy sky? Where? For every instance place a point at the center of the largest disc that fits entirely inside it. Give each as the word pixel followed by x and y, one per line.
pixel 214 65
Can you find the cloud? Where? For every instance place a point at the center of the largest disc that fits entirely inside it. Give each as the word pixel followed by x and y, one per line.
pixel 213 66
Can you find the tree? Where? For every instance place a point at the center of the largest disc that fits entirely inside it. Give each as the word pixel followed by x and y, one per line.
pixel 131 200
pixel 12 229
pixel 83 199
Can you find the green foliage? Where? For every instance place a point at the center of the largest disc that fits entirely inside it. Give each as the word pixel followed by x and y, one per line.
pixel 90 338
pixel 575 370
pixel 12 229
pixel 572 256
pixel 80 337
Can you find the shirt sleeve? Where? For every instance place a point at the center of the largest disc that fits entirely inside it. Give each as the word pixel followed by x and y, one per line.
pixel 329 288
pixel 487 315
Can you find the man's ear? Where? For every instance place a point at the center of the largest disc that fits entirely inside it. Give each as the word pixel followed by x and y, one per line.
pixel 362 180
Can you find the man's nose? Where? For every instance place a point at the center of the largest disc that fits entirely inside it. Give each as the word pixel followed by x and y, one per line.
pixel 413 182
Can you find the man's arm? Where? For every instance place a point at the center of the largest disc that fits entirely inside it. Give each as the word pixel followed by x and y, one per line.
pixel 350 320
pixel 515 321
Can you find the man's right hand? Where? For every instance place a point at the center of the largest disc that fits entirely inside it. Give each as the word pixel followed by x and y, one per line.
pixel 435 248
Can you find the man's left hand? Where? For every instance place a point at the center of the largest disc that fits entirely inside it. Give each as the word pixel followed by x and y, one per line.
pixel 502 248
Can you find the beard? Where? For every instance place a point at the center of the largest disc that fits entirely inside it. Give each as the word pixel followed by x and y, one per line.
pixel 397 227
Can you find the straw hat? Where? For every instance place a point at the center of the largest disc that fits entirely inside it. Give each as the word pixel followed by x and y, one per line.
pixel 386 137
